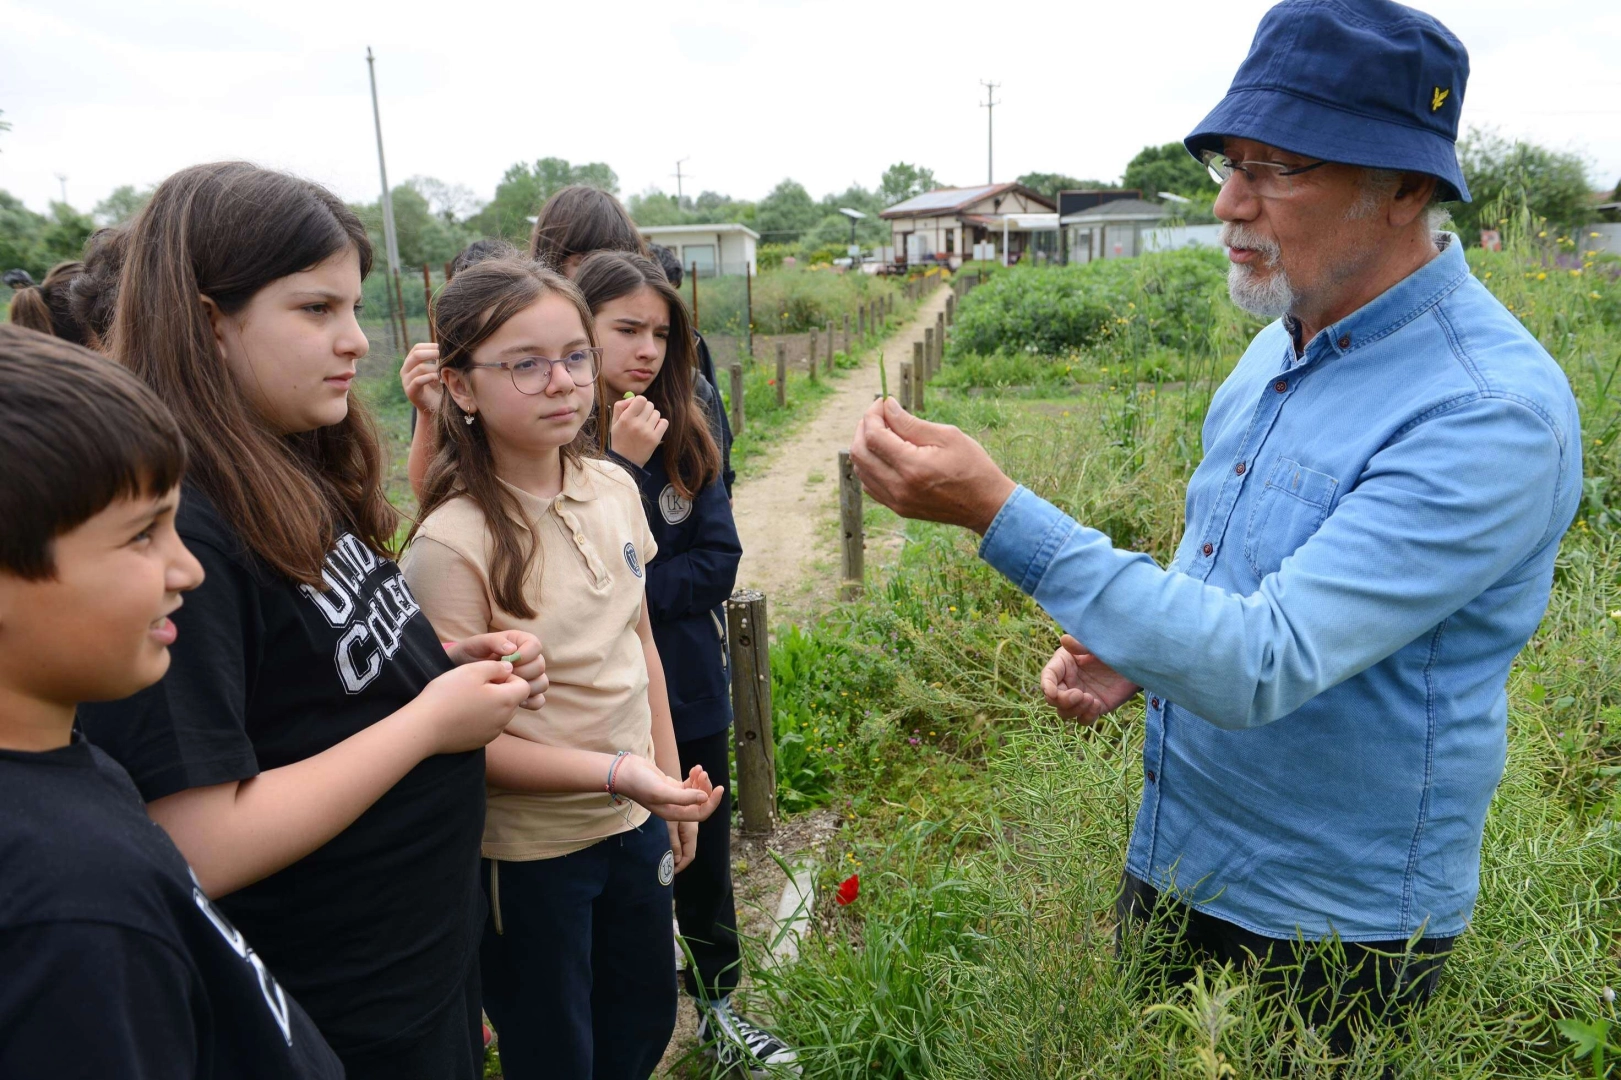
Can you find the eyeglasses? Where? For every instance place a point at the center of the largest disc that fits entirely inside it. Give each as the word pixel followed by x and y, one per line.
pixel 1268 179
pixel 533 374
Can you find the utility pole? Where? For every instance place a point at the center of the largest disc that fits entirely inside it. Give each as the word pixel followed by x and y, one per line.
pixel 390 238
pixel 989 105
pixel 63 180
pixel 679 177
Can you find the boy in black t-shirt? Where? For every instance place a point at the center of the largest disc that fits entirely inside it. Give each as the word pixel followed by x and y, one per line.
pixel 112 961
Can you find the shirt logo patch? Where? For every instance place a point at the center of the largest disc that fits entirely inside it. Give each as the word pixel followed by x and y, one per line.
pixel 673 505
pixel 1438 98
pixel 631 560
pixel 667 868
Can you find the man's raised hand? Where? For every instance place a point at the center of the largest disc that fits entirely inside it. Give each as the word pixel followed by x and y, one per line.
pixel 929 471
pixel 1082 687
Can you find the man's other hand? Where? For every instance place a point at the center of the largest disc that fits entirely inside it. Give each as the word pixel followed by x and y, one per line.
pixel 1082 687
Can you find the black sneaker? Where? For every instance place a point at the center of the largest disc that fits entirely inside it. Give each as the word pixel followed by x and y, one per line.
pixel 736 1042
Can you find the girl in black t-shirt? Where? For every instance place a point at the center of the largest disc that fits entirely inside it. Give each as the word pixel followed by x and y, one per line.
pixel 313 751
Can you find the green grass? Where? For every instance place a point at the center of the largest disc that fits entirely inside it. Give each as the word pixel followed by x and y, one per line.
pixel 990 838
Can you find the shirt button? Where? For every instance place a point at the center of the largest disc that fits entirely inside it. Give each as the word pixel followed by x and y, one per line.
pixel 1345 341
pixel 579 538
pixel 1280 386
pixel 1153 703
pixel 1208 548
pixel 1150 775
pixel 1239 468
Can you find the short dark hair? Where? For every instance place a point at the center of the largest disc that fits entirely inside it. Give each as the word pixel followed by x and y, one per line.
pixel 478 251
pixel 668 261
pixel 48 307
pixel 77 432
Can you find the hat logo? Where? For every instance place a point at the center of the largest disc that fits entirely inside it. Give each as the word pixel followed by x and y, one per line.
pixel 1438 99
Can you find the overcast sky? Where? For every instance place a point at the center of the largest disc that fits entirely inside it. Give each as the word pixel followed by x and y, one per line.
pixel 109 92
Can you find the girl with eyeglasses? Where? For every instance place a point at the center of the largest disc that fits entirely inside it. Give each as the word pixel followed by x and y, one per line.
pixel 660 431
pixel 524 527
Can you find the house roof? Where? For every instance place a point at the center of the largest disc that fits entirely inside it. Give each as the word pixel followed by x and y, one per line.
pixel 1117 210
pixel 945 201
pixel 716 227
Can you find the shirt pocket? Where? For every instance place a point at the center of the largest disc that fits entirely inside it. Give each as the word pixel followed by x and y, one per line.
pixel 1290 508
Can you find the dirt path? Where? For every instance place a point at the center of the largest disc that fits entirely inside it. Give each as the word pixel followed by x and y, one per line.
pixel 787 516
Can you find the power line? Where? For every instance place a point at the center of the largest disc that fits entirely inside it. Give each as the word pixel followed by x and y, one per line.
pixel 989 105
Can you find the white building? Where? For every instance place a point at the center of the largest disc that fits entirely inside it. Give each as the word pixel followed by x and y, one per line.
pixel 727 248
pixel 945 225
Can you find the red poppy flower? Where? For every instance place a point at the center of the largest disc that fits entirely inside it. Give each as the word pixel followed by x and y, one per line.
pixel 771 382
pixel 849 889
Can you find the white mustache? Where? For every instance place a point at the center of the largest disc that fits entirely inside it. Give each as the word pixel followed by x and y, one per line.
pixel 1235 235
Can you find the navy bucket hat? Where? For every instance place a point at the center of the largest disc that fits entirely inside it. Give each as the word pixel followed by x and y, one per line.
pixel 1362 82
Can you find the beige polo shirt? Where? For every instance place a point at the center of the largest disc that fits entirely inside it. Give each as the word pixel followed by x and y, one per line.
pixel 587 588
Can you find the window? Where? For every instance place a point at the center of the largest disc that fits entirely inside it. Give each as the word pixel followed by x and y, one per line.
pixel 700 255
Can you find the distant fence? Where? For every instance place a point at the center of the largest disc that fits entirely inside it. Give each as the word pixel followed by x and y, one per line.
pixel 1175 237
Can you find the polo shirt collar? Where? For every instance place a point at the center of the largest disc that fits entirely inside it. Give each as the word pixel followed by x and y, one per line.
pixel 1397 306
pixel 578 486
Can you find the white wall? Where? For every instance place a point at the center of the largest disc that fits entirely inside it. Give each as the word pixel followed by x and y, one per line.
pixel 1169 238
pixel 1608 239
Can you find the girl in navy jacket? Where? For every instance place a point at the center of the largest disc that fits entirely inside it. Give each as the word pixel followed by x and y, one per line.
pixel 661 431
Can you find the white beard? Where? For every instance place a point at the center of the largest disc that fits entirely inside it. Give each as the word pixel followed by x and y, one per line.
pixel 1269 296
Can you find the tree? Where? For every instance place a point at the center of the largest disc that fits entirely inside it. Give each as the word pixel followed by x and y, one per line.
pixel 20 229
pixel 63 237
pixel 1050 184
pixel 1165 168
pixel 451 203
pixel 786 214
pixel 1553 184
pixel 121 205
pixel 525 188
pixel 902 181
pixel 423 235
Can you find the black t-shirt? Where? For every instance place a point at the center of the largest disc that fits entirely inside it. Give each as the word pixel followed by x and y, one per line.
pixel 376 931
pixel 112 961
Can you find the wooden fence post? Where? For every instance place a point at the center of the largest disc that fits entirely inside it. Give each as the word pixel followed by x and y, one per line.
pixel 427 298
pixel 853 542
pixel 951 309
pixel 737 399
pixel 908 384
pixel 861 321
pixel 695 295
pixel 847 334
pixel 919 363
pixel 829 360
pixel 939 342
pixel 928 346
pixel 751 710
pixel 811 363
pixel 782 374
pixel 748 309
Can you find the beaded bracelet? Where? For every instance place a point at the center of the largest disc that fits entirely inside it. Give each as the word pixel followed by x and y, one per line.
pixel 613 768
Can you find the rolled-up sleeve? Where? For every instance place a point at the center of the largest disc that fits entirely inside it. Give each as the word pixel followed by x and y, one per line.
pixel 1431 523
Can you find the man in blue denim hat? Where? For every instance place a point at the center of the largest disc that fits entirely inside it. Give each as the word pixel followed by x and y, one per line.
pixel 1370 538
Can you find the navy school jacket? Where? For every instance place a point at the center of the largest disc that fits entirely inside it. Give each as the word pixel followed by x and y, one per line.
pixel 688 583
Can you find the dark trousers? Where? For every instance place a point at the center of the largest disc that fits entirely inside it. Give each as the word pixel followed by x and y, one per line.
pixel 1345 992
pixel 447 1046
pixel 576 958
pixel 704 905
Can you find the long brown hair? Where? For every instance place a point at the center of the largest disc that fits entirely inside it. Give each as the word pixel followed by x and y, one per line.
pixel 471 307
pixel 690 455
pixel 225 231
pixel 579 220
pixel 47 307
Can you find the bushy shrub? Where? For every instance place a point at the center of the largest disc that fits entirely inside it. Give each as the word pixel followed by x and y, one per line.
pixel 1055 310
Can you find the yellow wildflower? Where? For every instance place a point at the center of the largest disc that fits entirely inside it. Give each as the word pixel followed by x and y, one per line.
pixel 1542 276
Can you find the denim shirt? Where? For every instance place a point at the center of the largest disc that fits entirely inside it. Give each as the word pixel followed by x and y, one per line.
pixel 1370 540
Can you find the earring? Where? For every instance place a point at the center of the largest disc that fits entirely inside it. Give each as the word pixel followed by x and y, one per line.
pixel 468 419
